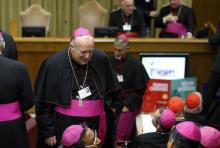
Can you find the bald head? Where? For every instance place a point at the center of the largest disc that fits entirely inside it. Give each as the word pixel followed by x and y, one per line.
pixel 81 48
pixel 127 6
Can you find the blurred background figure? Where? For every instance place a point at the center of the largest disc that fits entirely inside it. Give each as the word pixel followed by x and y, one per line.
pixel 176 20
pixel 185 135
pixel 163 119
pixel 10 50
pixel 211 103
pixel 128 19
pixel 147 8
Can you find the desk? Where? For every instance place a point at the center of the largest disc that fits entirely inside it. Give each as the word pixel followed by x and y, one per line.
pixel 32 51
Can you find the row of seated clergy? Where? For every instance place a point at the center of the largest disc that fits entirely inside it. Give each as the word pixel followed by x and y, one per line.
pixel 126 18
pixel 91 15
pixel 176 20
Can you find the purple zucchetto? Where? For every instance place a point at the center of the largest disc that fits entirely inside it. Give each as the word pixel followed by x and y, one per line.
pixel 1 36
pixel 81 32
pixel 123 37
pixel 189 130
pixel 71 135
pixel 167 118
pixel 210 137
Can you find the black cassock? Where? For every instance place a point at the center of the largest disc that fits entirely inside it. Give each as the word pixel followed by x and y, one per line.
pixel 146 7
pixel 210 102
pixel 56 86
pixel 133 86
pixel 186 17
pixel 10 50
pixel 136 20
pixel 15 85
pixel 150 140
pixel 135 80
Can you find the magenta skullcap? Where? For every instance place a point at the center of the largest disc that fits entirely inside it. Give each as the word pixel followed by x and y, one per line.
pixel 167 118
pixel 123 37
pixel 81 32
pixel 210 137
pixel 71 135
pixel 1 36
pixel 189 130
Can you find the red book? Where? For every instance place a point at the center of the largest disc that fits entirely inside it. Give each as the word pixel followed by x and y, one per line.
pixel 158 92
pixel 156 95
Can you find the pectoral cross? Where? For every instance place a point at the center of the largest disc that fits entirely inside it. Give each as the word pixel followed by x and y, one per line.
pixel 80 101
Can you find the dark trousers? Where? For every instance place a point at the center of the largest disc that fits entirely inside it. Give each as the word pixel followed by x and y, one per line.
pixel 213 85
pixel 111 127
pixel 211 106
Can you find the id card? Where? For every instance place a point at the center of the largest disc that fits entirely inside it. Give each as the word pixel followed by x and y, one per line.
pixel 126 27
pixel 85 92
pixel 120 78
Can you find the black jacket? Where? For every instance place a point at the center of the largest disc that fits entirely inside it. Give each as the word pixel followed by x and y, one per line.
pixel 146 7
pixel 136 20
pixel 186 17
pixel 215 40
pixel 10 50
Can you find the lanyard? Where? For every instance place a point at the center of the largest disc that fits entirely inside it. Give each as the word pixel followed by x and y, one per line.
pixel 131 20
pixel 179 11
pixel 77 82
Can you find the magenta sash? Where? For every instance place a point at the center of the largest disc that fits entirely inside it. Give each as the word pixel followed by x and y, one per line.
pixel 10 111
pixel 88 109
pixel 125 125
pixel 176 27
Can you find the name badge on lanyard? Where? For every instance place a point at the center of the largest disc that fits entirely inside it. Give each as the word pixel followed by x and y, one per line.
pixel 126 27
pixel 147 1
pixel 120 78
pixel 83 93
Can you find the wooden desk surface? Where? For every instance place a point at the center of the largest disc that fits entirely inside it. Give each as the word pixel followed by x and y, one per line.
pixel 33 51
pixel 106 44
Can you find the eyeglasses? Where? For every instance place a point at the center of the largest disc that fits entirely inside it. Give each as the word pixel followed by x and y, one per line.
pixel 94 142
